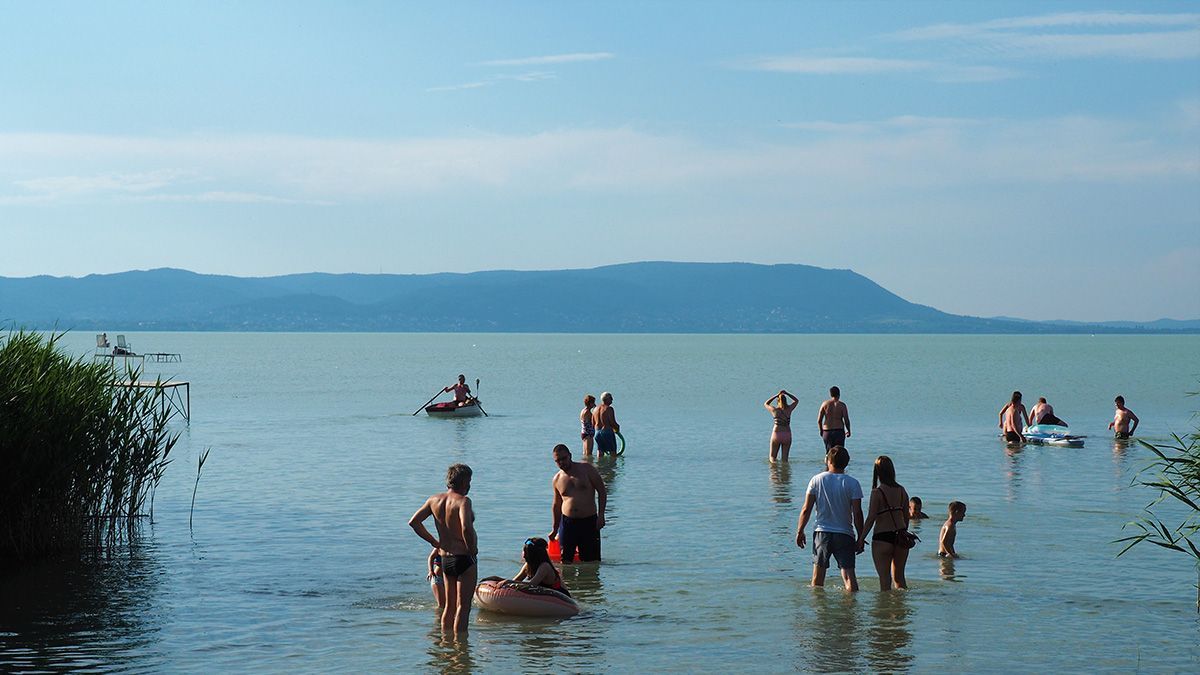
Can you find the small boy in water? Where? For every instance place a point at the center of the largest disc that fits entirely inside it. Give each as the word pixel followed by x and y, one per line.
pixel 914 509
pixel 435 578
pixel 956 511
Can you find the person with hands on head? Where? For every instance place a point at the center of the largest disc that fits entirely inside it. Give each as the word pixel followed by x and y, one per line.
pixel 456 542
pixel 835 498
pixel 781 432
pixel 580 498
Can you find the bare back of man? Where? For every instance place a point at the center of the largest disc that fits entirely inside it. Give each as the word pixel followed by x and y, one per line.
pixel 833 420
pixel 834 414
pixel 457 543
pixel 605 418
pixel 450 512
pixel 605 421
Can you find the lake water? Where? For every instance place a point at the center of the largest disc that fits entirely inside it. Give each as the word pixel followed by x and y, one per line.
pixel 300 557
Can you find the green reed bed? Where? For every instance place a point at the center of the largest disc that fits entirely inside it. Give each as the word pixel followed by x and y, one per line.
pixel 79 457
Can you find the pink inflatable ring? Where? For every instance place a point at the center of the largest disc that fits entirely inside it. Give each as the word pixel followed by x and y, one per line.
pixel 521 599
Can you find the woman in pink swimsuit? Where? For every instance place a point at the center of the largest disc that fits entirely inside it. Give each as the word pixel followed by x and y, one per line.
pixel 781 432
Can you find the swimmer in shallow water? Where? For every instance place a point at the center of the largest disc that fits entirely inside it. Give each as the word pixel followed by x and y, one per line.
pixel 914 509
pixel 781 432
pixel 956 512
pixel 587 426
pixel 1011 417
pixel 1120 423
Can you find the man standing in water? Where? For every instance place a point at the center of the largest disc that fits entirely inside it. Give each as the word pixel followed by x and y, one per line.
pixel 577 518
pixel 836 498
pixel 462 391
pixel 606 425
pixel 833 420
pixel 1120 423
pixel 456 542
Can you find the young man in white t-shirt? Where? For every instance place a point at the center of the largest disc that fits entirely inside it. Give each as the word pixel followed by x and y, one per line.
pixel 837 499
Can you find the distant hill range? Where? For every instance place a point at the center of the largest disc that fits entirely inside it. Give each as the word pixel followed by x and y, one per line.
pixel 645 297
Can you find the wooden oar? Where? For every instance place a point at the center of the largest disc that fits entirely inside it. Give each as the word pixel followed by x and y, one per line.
pixel 477 399
pixel 440 391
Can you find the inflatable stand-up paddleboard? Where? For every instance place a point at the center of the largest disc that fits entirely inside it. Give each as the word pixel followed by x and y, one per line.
pixel 1052 434
pixel 520 599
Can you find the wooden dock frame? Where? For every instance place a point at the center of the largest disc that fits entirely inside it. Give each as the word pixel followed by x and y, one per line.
pixel 169 394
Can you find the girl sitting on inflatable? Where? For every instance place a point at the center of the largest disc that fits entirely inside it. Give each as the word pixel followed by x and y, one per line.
pixel 538 570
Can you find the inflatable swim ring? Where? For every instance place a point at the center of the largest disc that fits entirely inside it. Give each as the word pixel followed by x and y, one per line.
pixel 622 450
pixel 523 599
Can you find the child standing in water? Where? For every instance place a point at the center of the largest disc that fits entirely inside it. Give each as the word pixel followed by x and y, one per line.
pixel 435 578
pixel 956 511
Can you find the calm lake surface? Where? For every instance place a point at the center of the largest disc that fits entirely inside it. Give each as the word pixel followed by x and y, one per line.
pixel 300 557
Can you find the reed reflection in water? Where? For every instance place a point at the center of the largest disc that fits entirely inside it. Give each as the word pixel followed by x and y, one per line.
pixel 75 614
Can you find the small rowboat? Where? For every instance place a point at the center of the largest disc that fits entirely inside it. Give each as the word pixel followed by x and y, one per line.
pixel 453 409
pixel 523 600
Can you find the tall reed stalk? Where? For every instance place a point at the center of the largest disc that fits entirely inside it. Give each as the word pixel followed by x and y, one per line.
pixel 79 457
pixel 1174 474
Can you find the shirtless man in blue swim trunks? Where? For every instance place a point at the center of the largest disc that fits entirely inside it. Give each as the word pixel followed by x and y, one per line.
pixel 456 542
pixel 606 425
pixel 580 497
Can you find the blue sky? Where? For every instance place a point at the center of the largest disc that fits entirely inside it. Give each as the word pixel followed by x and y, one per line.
pixel 1039 160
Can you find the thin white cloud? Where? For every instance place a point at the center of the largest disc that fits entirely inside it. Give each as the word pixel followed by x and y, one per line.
pixel 532 76
pixel 842 65
pixel 890 125
pixel 227 197
pixel 464 85
pixel 55 186
pixel 901 153
pixel 1075 35
pixel 550 59
pixel 850 65
pixel 1062 20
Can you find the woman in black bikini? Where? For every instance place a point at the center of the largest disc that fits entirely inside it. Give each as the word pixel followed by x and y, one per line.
pixel 888 514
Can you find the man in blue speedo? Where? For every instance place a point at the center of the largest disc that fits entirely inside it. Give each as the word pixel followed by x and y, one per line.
pixel 837 499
